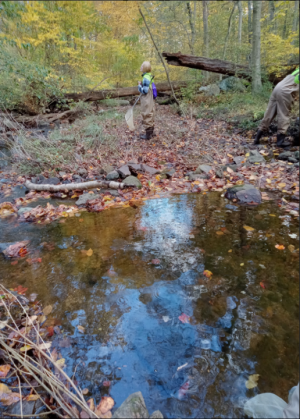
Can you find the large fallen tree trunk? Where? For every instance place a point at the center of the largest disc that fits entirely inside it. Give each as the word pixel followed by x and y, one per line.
pixel 122 92
pixel 78 186
pixel 220 66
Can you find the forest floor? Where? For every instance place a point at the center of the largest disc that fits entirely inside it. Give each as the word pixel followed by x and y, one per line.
pixel 181 145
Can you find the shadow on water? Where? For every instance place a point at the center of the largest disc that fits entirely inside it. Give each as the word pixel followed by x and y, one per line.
pixel 130 306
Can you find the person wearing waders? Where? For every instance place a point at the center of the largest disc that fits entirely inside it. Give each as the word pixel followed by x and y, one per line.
pixel 147 100
pixel 280 104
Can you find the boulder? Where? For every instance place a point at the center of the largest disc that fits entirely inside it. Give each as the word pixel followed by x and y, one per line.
pixel 50 181
pixel 133 407
pixel 77 178
pixel 82 171
pixel 84 198
pixel 292 160
pixel 132 181
pixel 157 415
pixel 37 179
pixel 239 159
pixel 255 157
pixel 203 168
pixel 112 192
pixel 196 176
pixel 150 170
pixel 231 166
pixel 135 167
pixel 219 173
pixel 232 83
pixel 112 175
pixel 107 169
pixel 124 171
pixel 296 154
pixel 210 90
pixel 245 194
pixel 167 173
pixel 285 155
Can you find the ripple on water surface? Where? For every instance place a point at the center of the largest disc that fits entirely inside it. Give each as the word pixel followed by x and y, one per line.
pixel 146 271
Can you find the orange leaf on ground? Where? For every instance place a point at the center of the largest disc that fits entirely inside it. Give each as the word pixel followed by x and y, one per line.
pixel 280 246
pixel 184 318
pixel 155 261
pixel 4 370
pixel 262 285
pixel 208 274
pixel 105 405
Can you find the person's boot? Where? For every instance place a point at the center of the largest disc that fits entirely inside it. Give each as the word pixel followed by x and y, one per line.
pixel 150 133
pixel 281 142
pixel 258 136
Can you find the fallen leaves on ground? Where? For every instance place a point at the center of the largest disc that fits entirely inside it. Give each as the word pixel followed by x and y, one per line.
pixel 87 252
pixel 262 285
pixel 81 329
pixel 4 370
pixel 252 381
pixel 104 407
pixel 7 397
pixel 280 246
pixel 17 250
pixel 155 261
pixel 184 318
pixel 47 310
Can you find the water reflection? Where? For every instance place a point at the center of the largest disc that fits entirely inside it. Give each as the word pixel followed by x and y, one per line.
pixel 130 306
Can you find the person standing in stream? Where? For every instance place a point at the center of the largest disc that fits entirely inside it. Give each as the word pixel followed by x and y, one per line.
pixel 147 100
pixel 280 104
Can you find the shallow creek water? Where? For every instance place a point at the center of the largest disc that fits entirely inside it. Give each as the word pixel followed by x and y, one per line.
pixel 130 306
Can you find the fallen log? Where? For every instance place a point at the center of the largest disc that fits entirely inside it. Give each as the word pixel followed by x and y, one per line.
pixel 122 92
pixel 79 186
pixel 221 67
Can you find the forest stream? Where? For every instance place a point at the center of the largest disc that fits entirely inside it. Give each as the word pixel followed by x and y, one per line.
pixel 178 300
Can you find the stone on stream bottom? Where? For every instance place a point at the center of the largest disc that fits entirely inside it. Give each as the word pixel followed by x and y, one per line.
pixel 23 210
pixel 132 181
pixel 28 408
pixel 245 194
pixel 108 168
pixel 202 168
pixel 84 198
pixel 285 155
pixel 157 415
pixel 133 407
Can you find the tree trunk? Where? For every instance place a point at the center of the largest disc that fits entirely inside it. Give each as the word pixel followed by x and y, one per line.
pixel 192 21
pixel 296 16
pixel 221 67
pixel 249 22
pixel 228 31
pixel 207 64
pixel 272 15
pixel 285 30
pixel 121 92
pixel 240 22
pixel 205 30
pixel 255 62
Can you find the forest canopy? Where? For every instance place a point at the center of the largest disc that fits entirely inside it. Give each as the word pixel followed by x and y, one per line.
pixel 51 47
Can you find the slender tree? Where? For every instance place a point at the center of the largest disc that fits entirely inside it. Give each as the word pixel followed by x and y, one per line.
pixel 205 30
pixel 192 21
pixel 296 16
pixel 255 59
pixel 249 21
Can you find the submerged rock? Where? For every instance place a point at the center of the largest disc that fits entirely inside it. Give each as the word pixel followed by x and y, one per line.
pixel 157 415
pixel 245 194
pixel 133 407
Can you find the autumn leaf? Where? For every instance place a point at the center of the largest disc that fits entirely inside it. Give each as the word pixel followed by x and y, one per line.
pixel 16 250
pixel 155 261
pixel 7 397
pixel 4 370
pixel 220 233
pixel 25 348
pixel 60 363
pixel 184 318
pixel 252 381
pixel 85 391
pixel 47 310
pixel 32 397
pixel 208 274
pixel 105 405
pixel 81 329
pixel 20 290
pixel 248 228
pixel 279 246
pixel 262 285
